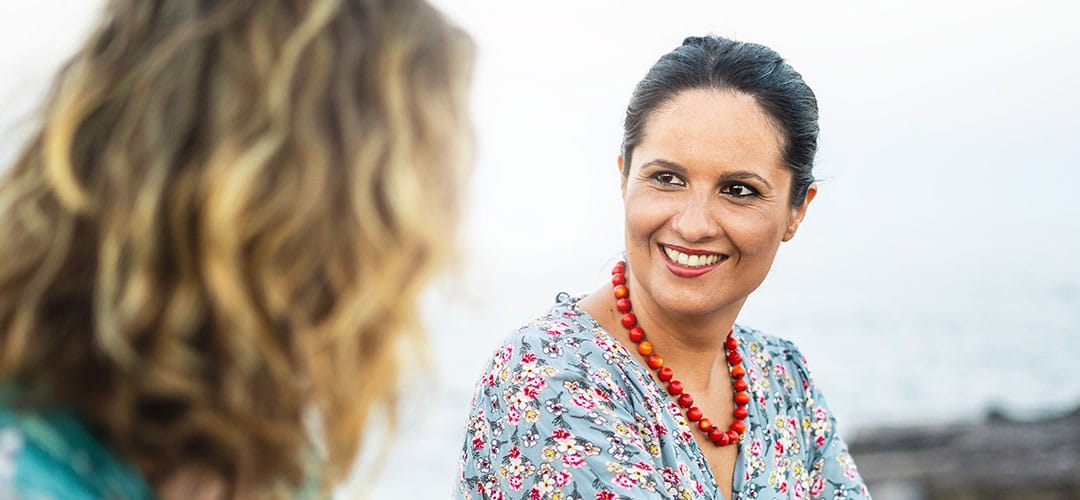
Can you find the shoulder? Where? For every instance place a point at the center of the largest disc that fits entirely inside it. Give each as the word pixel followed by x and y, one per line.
pixel 771 350
pixel 51 454
pixel 777 369
pixel 562 338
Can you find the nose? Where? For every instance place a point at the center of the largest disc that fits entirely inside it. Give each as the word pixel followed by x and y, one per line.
pixel 695 221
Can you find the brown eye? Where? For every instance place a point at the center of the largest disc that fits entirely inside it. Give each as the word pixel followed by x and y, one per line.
pixel 668 178
pixel 739 190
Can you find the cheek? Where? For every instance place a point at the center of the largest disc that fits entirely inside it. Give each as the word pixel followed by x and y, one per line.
pixel 758 234
pixel 644 215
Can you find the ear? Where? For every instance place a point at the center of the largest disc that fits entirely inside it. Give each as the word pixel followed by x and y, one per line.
pixel 622 178
pixel 797 213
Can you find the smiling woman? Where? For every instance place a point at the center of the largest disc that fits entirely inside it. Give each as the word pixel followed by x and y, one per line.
pixel 716 163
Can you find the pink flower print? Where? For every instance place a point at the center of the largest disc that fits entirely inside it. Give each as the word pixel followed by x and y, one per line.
pixel 669 476
pixel 755 447
pixel 513 415
pixel 562 478
pixel 478 443
pixel 604 495
pixel 782 488
pixel 515 482
pixel 528 358
pixel 643 466
pixel 573 460
pixel 819 439
pixel 583 402
pixel 820 415
pixel 799 489
pixel 514 453
pixel 506 354
pixel 624 481
pixel 791 426
pixel 600 394
pixel 561 434
pixel 780 371
pixel 817 486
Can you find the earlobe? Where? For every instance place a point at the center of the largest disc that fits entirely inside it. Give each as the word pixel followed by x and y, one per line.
pixel 798 213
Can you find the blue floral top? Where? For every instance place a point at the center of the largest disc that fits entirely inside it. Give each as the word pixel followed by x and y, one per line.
pixel 51 455
pixel 563 411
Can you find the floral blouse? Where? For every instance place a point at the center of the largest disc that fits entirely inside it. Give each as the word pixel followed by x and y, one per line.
pixel 563 411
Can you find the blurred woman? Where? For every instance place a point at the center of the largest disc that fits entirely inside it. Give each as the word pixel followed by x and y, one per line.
pixel 211 251
pixel 718 147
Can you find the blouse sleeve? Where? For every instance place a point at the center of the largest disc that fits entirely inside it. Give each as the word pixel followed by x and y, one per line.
pixel 832 472
pixel 51 456
pixel 547 421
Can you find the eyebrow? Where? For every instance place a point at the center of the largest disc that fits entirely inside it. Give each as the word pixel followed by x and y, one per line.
pixel 740 175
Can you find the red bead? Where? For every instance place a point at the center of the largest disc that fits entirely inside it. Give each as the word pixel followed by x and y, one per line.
pixel 719 437
pixel 738 371
pixel 731 343
pixel 637 334
pixel 742 397
pixel 704 425
pixel 620 267
pixel 741 385
pixel 644 348
pixel 618 279
pixel 655 361
pixel 741 412
pixel 733 437
pixel 734 358
pixel 686 400
pixel 629 320
pixel 738 426
pixel 621 292
pixel 674 387
pixel 665 374
pixel 623 305
pixel 694 414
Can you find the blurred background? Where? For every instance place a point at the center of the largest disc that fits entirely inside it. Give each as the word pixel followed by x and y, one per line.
pixel 936 279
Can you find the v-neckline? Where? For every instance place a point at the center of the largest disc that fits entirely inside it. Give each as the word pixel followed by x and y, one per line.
pixel 739 471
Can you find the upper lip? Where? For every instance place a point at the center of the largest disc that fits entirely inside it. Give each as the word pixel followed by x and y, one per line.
pixel 690 251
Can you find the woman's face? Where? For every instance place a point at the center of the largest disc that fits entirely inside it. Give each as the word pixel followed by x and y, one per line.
pixel 707 203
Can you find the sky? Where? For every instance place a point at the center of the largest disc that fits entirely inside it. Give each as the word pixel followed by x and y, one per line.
pixel 944 235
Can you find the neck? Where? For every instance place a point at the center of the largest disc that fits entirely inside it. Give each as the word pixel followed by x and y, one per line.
pixel 693 345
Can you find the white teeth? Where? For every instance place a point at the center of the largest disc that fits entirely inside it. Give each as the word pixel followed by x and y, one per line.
pixel 691 260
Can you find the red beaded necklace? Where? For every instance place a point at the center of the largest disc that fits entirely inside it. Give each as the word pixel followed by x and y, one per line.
pixel 718 436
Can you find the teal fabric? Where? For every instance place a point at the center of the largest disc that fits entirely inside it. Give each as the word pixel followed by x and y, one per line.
pixel 52 455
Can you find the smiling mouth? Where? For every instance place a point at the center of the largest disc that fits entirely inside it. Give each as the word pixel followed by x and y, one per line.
pixel 693 260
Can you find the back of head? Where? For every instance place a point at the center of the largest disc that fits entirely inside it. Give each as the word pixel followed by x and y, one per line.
pixel 713 62
pixel 225 221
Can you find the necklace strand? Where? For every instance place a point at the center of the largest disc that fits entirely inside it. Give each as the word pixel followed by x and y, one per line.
pixel 718 436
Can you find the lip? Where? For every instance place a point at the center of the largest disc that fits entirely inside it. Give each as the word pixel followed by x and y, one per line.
pixel 689 272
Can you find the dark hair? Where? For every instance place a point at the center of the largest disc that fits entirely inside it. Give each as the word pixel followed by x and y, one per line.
pixel 713 62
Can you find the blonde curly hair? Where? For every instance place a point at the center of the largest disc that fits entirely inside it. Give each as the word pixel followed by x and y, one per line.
pixel 225 221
